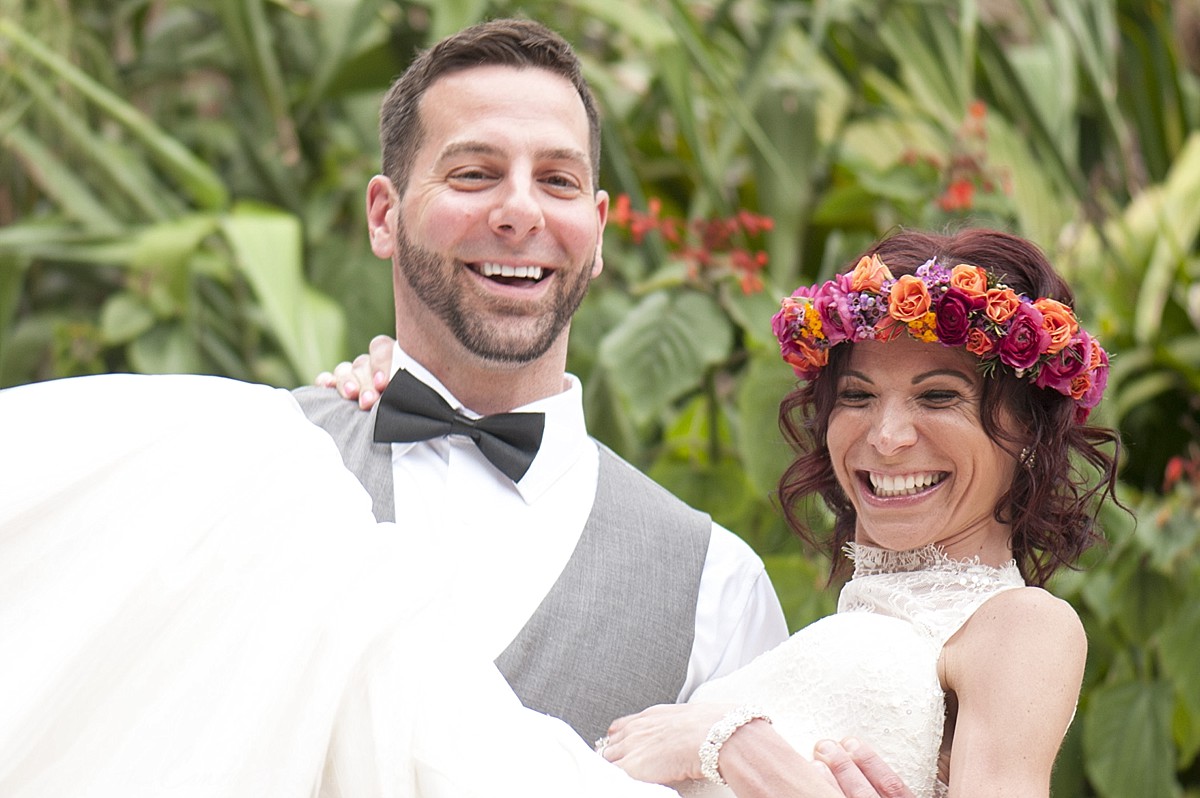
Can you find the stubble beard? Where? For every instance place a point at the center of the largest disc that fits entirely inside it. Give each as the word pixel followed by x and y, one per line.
pixel 522 341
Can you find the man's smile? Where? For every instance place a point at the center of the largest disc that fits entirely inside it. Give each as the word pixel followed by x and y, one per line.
pixel 507 273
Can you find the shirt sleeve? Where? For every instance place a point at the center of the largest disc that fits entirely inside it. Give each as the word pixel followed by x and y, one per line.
pixel 738 615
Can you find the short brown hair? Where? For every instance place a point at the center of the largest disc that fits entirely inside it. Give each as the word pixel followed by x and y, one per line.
pixel 501 42
pixel 1052 502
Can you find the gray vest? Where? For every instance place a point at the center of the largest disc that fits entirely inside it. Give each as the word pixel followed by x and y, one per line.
pixel 615 632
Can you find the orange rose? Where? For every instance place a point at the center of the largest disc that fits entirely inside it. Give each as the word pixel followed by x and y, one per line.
pixel 1059 321
pixel 806 358
pixel 909 299
pixel 869 274
pixel 971 280
pixel 978 343
pixel 1001 303
pixel 1080 384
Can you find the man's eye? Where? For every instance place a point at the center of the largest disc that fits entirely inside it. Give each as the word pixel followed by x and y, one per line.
pixel 561 183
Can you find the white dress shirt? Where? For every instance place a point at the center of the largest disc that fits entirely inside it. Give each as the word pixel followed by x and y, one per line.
pixel 507 543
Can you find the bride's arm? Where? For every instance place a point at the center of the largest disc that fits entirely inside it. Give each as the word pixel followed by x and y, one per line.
pixel 1016 667
pixel 758 763
pixel 661 744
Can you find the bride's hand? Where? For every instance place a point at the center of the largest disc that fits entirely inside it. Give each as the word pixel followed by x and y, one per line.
pixel 365 377
pixel 860 772
pixel 662 744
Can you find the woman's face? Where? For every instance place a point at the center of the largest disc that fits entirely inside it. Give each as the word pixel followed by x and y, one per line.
pixel 909 450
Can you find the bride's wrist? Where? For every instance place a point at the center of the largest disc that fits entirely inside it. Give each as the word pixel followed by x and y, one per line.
pixel 719 735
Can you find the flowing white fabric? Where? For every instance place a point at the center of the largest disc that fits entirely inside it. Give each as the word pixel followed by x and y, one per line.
pixel 870 671
pixel 195 600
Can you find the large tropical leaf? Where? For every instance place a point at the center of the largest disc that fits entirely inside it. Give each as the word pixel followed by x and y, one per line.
pixel 663 349
pixel 1127 741
pixel 309 327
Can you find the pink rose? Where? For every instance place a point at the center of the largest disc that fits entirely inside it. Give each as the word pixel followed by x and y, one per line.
pixel 832 301
pixel 1061 371
pixel 954 317
pixel 1099 376
pixel 1025 341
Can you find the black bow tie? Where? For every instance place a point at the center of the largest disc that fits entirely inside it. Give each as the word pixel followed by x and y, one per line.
pixel 410 410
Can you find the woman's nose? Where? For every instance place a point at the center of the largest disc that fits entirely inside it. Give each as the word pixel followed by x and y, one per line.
pixel 892 431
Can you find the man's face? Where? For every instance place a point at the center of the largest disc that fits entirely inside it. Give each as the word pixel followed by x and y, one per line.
pixel 497 234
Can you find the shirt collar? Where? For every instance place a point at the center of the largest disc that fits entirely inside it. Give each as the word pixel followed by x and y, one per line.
pixel 564 440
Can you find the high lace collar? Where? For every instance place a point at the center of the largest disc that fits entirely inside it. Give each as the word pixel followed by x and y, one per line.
pixel 871 560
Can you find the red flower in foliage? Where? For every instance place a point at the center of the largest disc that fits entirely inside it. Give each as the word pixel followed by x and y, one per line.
pixel 710 247
pixel 959 195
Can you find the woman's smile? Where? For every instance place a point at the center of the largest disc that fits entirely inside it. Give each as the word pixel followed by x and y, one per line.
pixel 888 485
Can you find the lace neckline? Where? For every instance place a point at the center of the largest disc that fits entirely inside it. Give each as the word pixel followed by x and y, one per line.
pixel 871 561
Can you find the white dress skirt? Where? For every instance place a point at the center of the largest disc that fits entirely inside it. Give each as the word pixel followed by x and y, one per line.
pixel 195 600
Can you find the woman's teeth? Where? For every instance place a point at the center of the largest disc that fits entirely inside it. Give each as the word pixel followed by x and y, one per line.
pixel 504 270
pixel 906 485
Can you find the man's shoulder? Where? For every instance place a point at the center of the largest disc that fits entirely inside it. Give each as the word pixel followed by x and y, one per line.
pixel 618 468
pixel 325 407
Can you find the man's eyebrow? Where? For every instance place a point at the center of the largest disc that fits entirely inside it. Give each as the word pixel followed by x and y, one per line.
pixel 468 148
pixel 569 154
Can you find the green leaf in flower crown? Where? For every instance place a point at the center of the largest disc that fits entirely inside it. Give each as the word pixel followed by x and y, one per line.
pixel 1127 740
pixel 663 349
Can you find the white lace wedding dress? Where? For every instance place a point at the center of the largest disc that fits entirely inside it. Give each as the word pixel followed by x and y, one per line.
pixel 871 669
pixel 196 602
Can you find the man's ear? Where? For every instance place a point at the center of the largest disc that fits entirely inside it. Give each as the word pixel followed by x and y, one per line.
pixel 383 205
pixel 602 217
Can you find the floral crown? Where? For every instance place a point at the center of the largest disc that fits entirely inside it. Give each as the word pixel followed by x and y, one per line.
pixel 1040 339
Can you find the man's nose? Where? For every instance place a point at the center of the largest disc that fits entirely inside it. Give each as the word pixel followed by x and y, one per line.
pixel 518 213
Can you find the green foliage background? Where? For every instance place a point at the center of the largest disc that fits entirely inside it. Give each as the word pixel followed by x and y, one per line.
pixel 181 189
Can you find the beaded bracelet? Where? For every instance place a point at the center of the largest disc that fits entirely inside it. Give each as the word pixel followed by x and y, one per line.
pixel 720 732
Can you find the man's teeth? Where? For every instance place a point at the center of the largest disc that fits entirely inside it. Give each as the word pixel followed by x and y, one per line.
pixel 504 270
pixel 906 485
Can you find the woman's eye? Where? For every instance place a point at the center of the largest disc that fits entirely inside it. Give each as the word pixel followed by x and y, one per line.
pixel 853 396
pixel 940 397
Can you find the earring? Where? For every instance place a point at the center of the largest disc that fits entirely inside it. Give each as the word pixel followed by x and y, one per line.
pixel 1027 458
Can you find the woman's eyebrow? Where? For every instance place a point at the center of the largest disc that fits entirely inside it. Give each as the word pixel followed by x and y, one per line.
pixel 942 373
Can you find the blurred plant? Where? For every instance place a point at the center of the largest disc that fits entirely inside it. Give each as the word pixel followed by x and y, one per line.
pixel 711 248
